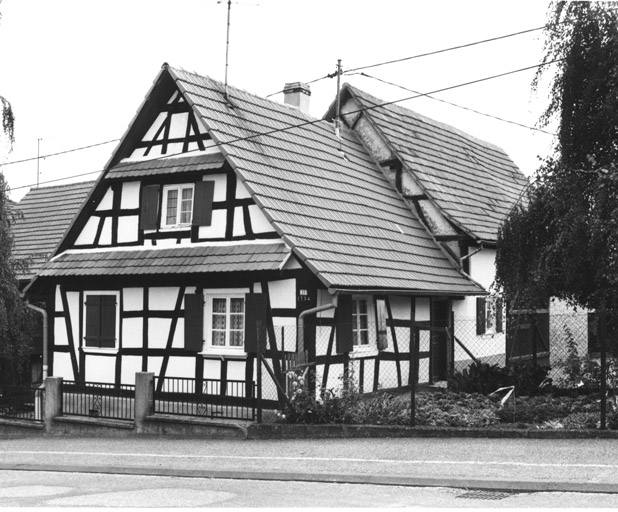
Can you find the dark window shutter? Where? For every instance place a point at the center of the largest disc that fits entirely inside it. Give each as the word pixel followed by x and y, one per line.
pixel 202 203
pixel 480 315
pixel 499 316
pixel 256 310
pixel 107 337
pixel 194 322
pixel 93 320
pixel 381 314
pixel 150 207
pixel 345 328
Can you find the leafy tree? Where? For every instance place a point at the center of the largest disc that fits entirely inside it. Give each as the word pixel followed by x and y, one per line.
pixel 562 240
pixel 16 319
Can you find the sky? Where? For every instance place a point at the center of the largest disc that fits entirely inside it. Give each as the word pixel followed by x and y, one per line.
pixel 76 71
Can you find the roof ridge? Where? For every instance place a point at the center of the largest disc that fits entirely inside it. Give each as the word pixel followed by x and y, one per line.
pixel 245 91
pixel 431 120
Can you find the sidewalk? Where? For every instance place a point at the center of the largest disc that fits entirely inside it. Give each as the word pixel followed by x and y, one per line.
pixel 482 464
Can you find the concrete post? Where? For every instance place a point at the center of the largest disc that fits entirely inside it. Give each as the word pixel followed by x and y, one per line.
pixel 53 401
pixel 144 398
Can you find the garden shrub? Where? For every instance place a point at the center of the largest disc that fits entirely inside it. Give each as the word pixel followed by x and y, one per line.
pixel 448 409
pixel 485 378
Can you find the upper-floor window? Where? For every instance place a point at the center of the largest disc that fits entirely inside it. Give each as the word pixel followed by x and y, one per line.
pixel 177 205
pixel 360 322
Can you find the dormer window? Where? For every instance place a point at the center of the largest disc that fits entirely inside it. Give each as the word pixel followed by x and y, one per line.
pixel 177 205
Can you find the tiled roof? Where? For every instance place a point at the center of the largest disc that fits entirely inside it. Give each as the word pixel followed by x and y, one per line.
pixel 474 183
pixel 46 212
pixel 324 195
pixel 169 165
pixel 177 260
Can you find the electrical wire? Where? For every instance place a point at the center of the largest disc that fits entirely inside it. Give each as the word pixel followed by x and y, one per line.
pixel 59 153
pixel 435 52
pixel 454 104
pixel 316 121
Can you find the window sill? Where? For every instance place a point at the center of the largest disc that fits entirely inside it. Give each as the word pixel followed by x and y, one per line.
pixel 223 354
pixel 96 350
pixel 364 351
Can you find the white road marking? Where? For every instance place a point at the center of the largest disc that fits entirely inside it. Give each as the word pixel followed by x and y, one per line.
pixel 317 459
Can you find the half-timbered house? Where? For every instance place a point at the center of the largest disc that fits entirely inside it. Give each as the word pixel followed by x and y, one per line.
pixel 220 212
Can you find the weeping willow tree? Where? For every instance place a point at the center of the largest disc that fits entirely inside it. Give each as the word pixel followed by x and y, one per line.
pixel 562 239
pixel 16 319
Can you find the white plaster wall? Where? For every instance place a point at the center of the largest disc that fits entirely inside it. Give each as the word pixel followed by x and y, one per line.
pixel 178 125
pixel 292 264
pixel 437 222
pixel 259 223
pixel 107 201
pixel 128 229
pixel 423 310
pixel 130 195
pixel 62 366
pixel 241 191
pixel 212 369
pixel 158 332
pixel 60 332
pixel 100 369
pixel 154 365
pixel 88 233
pixel 129 367
pixel 217 228
pixel 106 232
pixel 409 187
pixel 236 370
pixel 155 126
pixel 132 333
pixel 282 293
pixel 239 222
pixel 181 367
pixel 133 299
pixel 220 190
pixel 74 307
pixel 163 298
pixel 483 267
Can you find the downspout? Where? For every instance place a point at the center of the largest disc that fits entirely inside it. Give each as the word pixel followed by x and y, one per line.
pixel 44 313
pixel 307 312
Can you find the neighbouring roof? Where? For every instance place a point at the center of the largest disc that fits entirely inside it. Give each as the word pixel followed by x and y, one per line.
pixel 474 183
pixel 324 195
pixel 169 165
pixel 46 213
pixel 176 260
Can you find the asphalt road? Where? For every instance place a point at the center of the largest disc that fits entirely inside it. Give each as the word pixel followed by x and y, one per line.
pixel 360 472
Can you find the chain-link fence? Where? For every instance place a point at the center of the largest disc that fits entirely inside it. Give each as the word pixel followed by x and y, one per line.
pixel 531 354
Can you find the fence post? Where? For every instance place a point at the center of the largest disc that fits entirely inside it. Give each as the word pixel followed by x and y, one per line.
pixel 53 401
pixel 144 398
pixel 603 336
pixel 259 371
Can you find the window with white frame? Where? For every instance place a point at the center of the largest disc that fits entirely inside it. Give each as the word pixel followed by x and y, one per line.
pixel 360 321
pixel 489 317
pixel 225 322
pixel 177 205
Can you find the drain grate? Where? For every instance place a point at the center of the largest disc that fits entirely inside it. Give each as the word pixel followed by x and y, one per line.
pixel 487 495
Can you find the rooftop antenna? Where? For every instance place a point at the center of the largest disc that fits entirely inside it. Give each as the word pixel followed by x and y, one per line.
pixel 38 157
pixel 227 45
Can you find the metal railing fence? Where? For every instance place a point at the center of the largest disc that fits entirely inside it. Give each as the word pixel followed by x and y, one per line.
pixel 98 400
pixel 213 398
pixel 22 402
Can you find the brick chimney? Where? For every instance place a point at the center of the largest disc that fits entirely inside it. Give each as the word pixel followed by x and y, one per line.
pixel 297 95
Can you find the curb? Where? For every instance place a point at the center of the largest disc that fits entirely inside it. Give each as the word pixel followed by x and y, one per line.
pixel 400 481
pixel 268 431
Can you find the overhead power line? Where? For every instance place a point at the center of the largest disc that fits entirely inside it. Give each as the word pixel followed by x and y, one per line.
pixel 59 153
pixel 316 121
pixel 435 52
pixel 454 104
